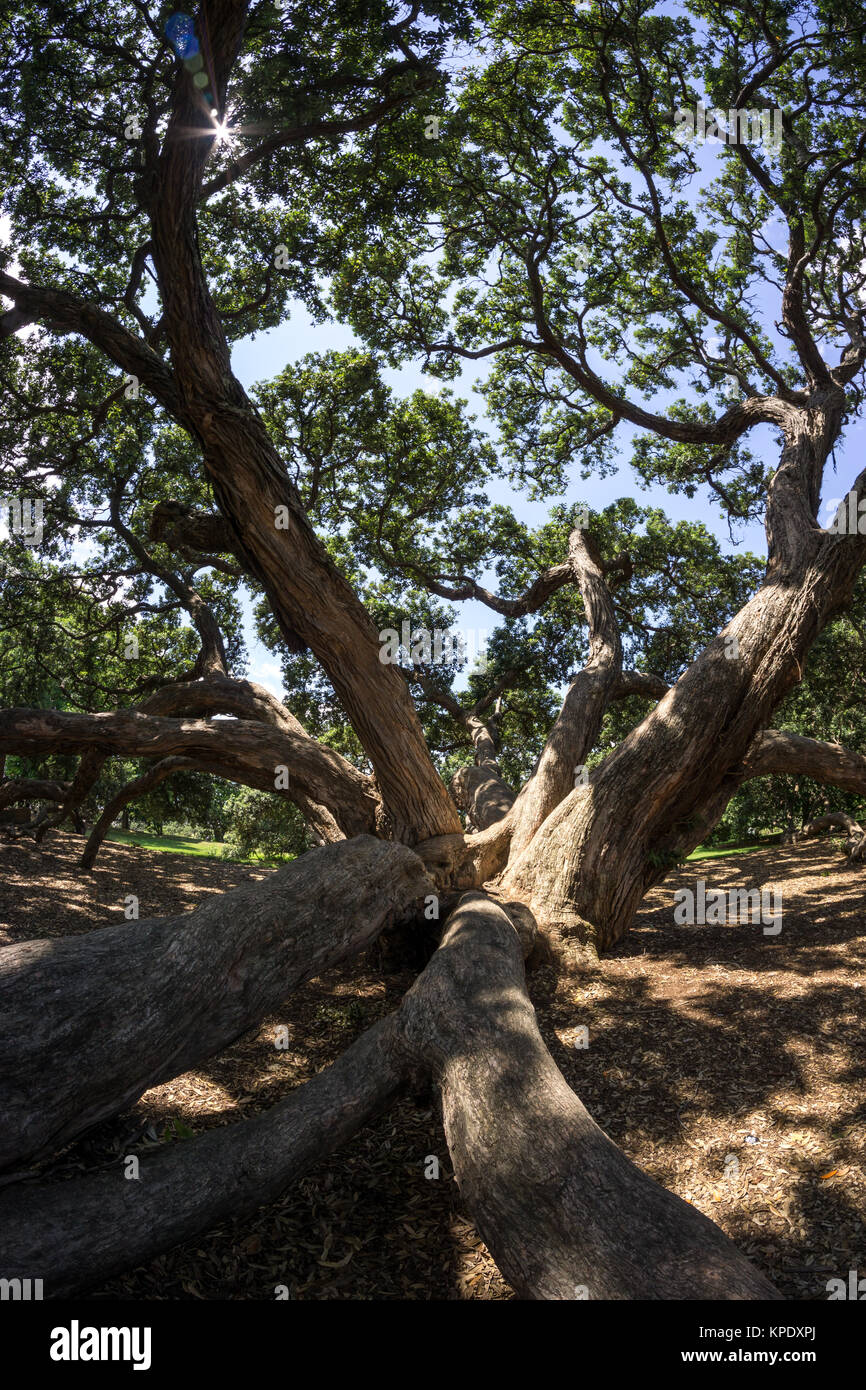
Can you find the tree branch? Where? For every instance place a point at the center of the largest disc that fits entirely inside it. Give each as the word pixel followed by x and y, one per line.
pixel 96 1036
pixel 248 752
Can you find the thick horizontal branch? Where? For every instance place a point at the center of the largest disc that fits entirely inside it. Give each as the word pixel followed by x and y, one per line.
pixel 562 1210
pixel 778 752
pixel 32 789
pixel 185 528
pixel 82 1232
pixel 250 752
pixel 835 820
pixel 91 1022
pixel 221 694
pixel 639 683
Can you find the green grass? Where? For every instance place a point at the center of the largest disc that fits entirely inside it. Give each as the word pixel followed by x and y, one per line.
pixel 182 844
pixel 171 844
pixel 718 851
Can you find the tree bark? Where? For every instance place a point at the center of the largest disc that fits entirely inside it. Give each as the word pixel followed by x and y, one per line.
pixel 91 1022
pixel 484 795
pixel 777 752
pixel 578 722
pixel 80 1233
pixel 235 748
pixel 32 789
pixel 599 851
pixel 564 1213
pixel 834 820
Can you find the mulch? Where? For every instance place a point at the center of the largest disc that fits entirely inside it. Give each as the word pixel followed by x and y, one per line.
pixel 728 1064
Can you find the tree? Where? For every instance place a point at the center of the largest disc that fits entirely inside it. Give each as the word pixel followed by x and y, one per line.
pixel 170 190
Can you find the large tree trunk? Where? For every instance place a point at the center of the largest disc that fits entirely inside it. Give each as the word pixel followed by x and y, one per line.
pixel 565 1214
pixel 652 798
pixel 309 597
pixel 91 1022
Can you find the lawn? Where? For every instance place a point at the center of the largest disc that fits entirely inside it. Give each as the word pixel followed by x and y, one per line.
pixel 172 844
pixel 717 851
pixel 184 844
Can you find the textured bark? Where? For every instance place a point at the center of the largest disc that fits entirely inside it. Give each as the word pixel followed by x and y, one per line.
pixel 560 1207
pixel 480 791
pixel 222 694
pixel 778 752
pixel 564 1212
pixel 834 820
pixel 82 1232
pixel 239 749
pixel 306 590
pixel 32 789
pixel 579 719
pixel 184 528
pixel 641 683
pixel 595 856
pixel 91 1022
pixel 488 801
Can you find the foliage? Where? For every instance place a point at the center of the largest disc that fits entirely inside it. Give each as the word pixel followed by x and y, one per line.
pixel 264 825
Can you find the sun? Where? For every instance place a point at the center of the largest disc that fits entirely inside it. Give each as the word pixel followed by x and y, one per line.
pixel 223 135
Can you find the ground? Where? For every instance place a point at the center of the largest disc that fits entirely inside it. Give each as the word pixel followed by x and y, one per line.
pixel 728 1064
